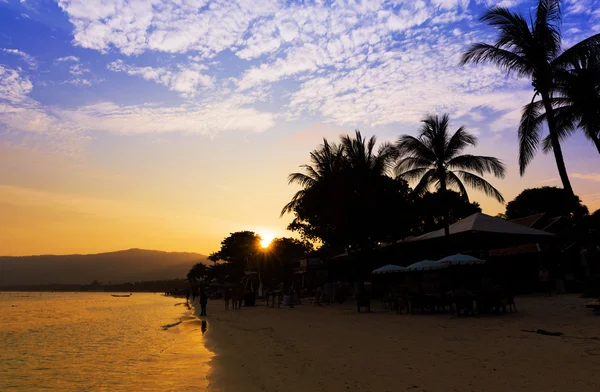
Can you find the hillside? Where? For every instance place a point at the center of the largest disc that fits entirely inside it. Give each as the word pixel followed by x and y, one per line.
pixel 116 267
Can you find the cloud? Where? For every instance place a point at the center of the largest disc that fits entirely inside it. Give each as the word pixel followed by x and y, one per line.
pixel 595 177
pixel 74 59
pixel 553 180
pixel 13 87
pixel 79 74
pixel 72 126
pixel 30 60
pixel 186 80
pixel 347 63
pixel 206 119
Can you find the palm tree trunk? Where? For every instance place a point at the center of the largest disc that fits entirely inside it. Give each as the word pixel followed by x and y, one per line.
pixel 558 155
pixel 443 189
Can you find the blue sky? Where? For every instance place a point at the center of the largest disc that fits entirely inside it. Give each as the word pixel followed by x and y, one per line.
pixel 143 89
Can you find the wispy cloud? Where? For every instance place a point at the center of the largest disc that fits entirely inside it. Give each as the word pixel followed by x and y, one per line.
pixel 19 112
pixel 553 180
pixel 186 80
pixel 30 60
pixel 74 59
pixel 595 177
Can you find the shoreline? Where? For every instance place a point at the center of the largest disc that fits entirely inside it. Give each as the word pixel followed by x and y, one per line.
pixel 334 348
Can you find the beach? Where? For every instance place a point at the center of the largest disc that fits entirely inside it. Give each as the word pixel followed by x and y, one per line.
pixel 334 348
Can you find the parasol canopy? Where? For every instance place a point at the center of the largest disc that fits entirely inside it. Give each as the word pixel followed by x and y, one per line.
pixel 460 259
pixel 424 265
pixel 386 269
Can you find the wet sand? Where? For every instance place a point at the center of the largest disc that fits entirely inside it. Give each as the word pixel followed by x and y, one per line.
pixel 334 348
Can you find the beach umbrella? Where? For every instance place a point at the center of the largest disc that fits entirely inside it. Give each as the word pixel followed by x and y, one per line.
pixel 460 259
pixel 386 269
pixel 425 265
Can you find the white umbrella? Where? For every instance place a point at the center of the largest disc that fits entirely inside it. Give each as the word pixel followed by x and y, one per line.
pixel 386 269
pixel 460 259
pixel 425 265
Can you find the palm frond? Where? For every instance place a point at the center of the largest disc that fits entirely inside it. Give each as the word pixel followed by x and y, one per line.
pixel 530 128
pixel 411 146
pixel 452 180
pixel 459 141
pixel 504 59
pixel 423 185
pixel 304 180
pixel 547 27
pixel 478 183
pixel 578 53
pixel 289 207
pixel 479 164
pixel 413 174
pixel 409 163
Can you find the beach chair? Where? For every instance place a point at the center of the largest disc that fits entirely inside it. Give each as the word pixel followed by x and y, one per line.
pixel 463 302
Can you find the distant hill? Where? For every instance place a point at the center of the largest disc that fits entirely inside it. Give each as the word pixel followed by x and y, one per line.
pixel 131 265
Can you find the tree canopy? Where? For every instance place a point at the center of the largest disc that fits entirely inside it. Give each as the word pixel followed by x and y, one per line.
pixel 432 207
pixel 348 200
pixel 551 200
pixel 532 47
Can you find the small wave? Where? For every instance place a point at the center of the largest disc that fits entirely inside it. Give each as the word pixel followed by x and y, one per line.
pixel 165 327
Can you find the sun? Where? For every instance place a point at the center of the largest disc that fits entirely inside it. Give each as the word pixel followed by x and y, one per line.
pixel 266 239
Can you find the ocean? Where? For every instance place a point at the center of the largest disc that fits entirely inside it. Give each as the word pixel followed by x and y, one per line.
pixel 96 342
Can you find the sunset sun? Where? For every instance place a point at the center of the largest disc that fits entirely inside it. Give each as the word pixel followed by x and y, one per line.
pixel 266 240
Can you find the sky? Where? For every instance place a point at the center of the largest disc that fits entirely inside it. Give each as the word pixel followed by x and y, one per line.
pixel 168 124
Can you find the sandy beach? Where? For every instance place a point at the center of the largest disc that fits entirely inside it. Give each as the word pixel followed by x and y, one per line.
pixel 334 348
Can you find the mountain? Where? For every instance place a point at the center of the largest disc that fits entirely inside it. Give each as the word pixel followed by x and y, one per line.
pixel 131 265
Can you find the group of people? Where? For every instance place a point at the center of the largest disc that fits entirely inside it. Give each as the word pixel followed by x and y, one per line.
pixel 235 295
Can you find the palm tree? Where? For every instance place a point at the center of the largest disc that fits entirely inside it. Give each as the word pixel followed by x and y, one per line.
pixel 576 106
pixel 533 50
pixel 326 162
pixel 433 159
pixel 360 155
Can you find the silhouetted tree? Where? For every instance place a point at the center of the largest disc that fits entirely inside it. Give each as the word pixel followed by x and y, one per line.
pixel 239 250
pixel 576 104
pixel 197 272
pixel 551 200
pixel 279 257
pixel 431 210
pixel 534 50
pixel 433 158
pixel 347 199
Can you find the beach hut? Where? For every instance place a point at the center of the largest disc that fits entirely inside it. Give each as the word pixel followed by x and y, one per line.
pixel 387 269
pixel 460 259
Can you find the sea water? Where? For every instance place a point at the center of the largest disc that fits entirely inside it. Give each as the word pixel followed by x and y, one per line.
pixel 96 342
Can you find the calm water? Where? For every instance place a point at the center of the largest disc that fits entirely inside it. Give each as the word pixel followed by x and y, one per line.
pixel 94 342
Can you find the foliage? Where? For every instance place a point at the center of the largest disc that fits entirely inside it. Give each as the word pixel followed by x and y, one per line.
pixel 533 49
pixel 576 103
pixel 278 259
pixel 347 199
pixel 551 200
pixel 238 250
pixel 198 271
pixel 431 211
pixel 434 159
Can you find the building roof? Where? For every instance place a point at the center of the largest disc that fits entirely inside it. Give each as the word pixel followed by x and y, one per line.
pixel 484 224
pixel 529 220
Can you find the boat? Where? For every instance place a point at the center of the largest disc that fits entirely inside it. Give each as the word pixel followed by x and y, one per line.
pixel 121 295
